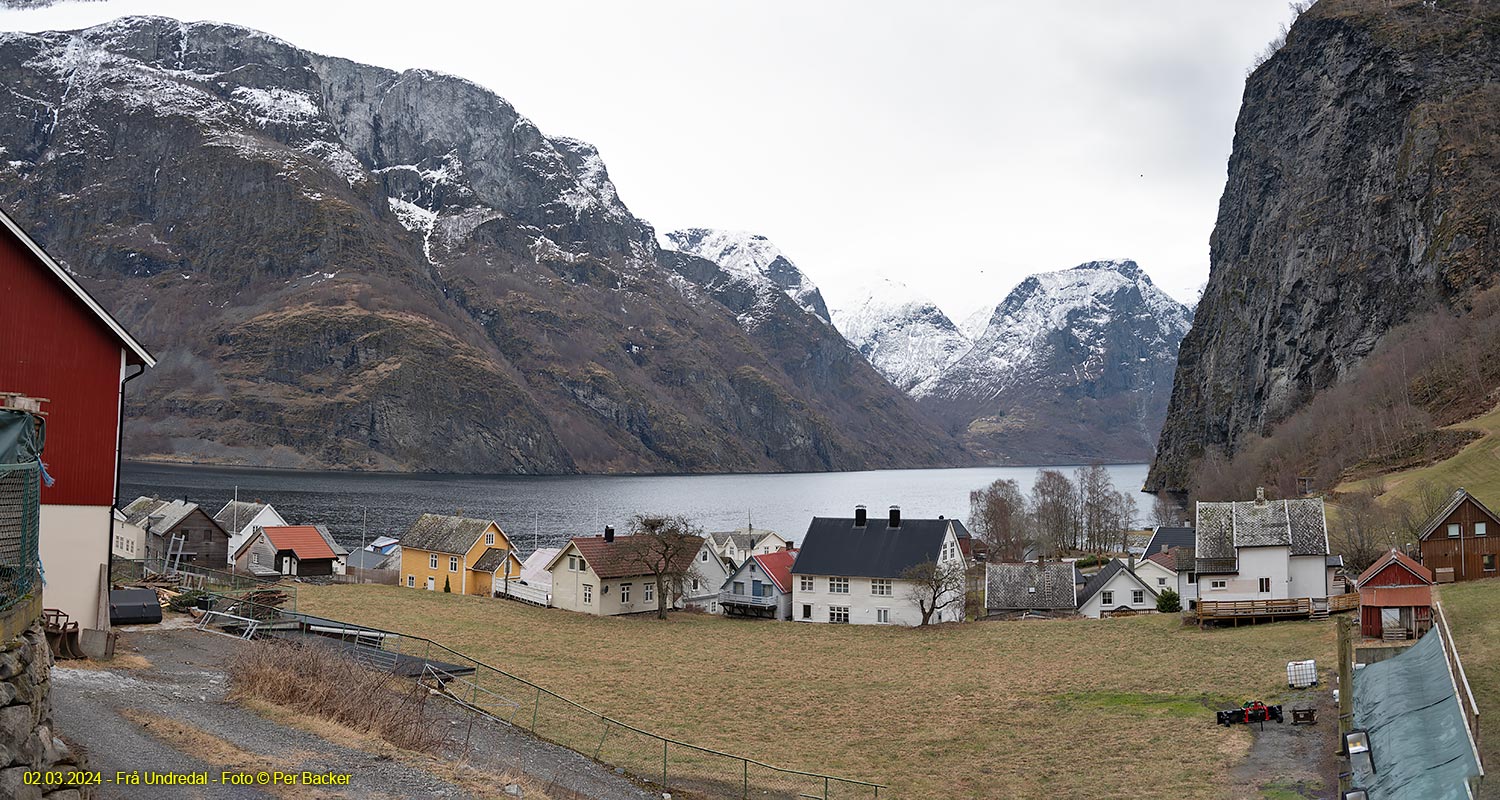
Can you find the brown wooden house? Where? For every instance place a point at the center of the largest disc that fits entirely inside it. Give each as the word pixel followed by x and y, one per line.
pixel 1395 598
pixel 204 544
pixel 1462 541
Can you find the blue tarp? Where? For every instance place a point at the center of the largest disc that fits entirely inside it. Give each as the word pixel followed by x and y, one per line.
pixel 1420 746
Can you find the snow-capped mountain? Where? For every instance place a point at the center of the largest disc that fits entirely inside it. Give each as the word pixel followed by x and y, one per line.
pixel 907 338
pixel 1073 365
pixel 753 259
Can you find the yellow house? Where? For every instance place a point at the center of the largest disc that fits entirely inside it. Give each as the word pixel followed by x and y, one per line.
pixel 470 556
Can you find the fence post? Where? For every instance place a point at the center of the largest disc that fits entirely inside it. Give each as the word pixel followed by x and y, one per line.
pixel 825 787
pixel 536 708
pixel 745 792
pixel 663 764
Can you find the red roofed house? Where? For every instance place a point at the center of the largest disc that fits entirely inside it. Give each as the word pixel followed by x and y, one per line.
pixel 276 550
pixel 607 575
pixel 761 587
pixel 1158 570
pixel 61 345
pixel 1395 598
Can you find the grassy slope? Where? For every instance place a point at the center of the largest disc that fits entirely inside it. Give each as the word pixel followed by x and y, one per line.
pixel 1474 612
pixel 1476 467
pixel 1068 708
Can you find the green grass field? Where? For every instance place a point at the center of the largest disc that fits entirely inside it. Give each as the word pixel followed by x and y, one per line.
pixel 1473 610
pixel 1069 708
pixel 1476 467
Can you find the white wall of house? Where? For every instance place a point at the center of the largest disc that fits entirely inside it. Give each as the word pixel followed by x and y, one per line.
pixel 817 603
pixel 584 591
pixel 1187 587
pixel 1120 590
pixel 1256 563
pixel 769 543
pixel 1309 577
pixel 701 589
pixel 265 518
pixel 73 544
pixel 1156 576
pixel 130 541
pixel 741 583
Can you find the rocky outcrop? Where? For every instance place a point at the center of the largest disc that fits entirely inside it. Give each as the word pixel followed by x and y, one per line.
pixel 1074 366
pixel 1361 192
pixel 28 738
pixel 343 266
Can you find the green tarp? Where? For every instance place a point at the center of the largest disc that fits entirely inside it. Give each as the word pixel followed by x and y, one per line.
pixel 20 443
pixel 1418 741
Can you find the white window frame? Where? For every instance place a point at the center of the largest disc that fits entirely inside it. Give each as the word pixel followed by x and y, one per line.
pixel 1161 581
pixel 649 594
pixel 572 563
pixel 883 616
pixel 807 610
pixel 879 584
pixel 588 594
pixel 1137 597
pixel 489 538
pixel 838 615
pixel 1218 585
pixel 1263 585
pixel 411 581
pixel 1107 597
pixel 432 561
pixel 1455 530
pixel 1481 528
pixel 703 555
pixel 805 583
pixel 453 563
pixel 624 593
pixel 838 586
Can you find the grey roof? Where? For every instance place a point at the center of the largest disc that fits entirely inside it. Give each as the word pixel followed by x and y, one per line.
pixel 1453 503
pixel 1185 558
pixel 338 549
pixel 492 559
pixel 1103 576
pixel 368 559
pixel 1223 528
pixel 443 534
pixel 1030 586
pixel 742 540
pixel 1166 538
pixel 1334 561
pixel 834 546
pixel 162 515
pixel 240 511
pixel 959 530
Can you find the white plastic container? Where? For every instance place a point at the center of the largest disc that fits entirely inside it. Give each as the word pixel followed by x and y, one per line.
pixel 1301 674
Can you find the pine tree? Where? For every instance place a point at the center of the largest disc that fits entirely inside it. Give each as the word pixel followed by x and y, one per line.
pixel 447 587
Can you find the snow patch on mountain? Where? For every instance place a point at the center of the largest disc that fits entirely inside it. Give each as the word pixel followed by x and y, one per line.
pixel 751 258
pixel 906 337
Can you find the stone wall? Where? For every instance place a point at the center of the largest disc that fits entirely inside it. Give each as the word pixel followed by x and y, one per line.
pixel 27 739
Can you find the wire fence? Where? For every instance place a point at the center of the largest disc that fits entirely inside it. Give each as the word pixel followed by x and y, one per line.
pixel 218 582
pixel 20 520
pixel 497 695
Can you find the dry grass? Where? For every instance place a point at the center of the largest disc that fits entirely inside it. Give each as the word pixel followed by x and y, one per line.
pixel 1476 467
pixel 1473 609
pixel 219 753
pixel 328 684
pixel 121 661
pixel 1073 708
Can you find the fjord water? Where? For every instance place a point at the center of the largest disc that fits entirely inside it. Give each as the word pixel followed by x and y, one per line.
pixel 543 511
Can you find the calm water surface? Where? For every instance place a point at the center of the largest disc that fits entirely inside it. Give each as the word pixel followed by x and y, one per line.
pixel 544 511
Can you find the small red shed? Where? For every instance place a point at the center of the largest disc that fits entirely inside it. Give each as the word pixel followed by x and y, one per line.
pixel 1395 598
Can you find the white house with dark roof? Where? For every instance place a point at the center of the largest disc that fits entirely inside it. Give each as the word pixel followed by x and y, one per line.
pixel 240 518
pixel 1159 571
pixel 739 545
pixel 1031 589
pixel 1115 589
pixel 850 570
pixel 1263 550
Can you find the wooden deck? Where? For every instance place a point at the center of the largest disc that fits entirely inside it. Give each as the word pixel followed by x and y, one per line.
pixel 1252 610
pixel 1347 601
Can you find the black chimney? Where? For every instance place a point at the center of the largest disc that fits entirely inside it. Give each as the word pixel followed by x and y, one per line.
pixel 859 516
pixel 895 517
pixel 609 533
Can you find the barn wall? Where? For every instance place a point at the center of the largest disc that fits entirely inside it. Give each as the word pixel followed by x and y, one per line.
pixel 1465 553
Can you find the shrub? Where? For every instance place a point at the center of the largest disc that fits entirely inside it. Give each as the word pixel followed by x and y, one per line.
pixel 1168 602
pixel 447 587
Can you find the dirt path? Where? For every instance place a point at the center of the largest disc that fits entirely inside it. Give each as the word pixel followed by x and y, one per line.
pixel 172 716
pixel 1300 756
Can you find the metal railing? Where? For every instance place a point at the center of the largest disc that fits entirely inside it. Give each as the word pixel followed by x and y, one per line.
pixel 497 695
pixel 204 579
pixel 20 521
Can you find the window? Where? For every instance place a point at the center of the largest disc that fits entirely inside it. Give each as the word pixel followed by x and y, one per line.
pixel 1489 562
pixel 411 581
pixel 806 611
pixel 1480 529
pixel 624 592
pixel 453 563
pixel 1107 598
pixel 883 615
pixel 838 585
pixel 695 584
pixel 739 587
pixel 489 538
pixel 650 592
pixel 838 614
pixel 255 558
pixel 1265 584
pixel 1161 581
pixel 881 587
pixel 1455 530
pixel 588 593
pixel 432 561
pixel 1137 596
pixel 703 555
pixel 1217 584
pixel 806 583
pixel 1192 578
pixel 572 563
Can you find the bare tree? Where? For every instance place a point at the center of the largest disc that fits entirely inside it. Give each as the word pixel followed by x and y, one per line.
pixel 934 586
pixel 1165 510
pixel 1097 510
pixel 1121 516
pixel 663 547
pixel 1001 520
pixel 1054 509
pixel 1365 529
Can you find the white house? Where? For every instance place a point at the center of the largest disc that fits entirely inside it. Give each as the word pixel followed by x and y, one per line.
pixel 1263 550
pixel 709 572
pixel 604 576
pixel 1114 589
pixel 739 545
pixel 1159 571
pixel 850 570
pixel 761 587
pixel 240 519
pixel 129 539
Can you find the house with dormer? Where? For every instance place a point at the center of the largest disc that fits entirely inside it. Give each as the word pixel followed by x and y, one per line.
pixel 1263 550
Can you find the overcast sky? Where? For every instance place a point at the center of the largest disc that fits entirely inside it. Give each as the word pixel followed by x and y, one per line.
pixel 955 146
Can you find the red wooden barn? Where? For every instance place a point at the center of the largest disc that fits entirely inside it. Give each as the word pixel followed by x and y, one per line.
pixel 1456 543
pixel 61 345
pixel 1395 598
